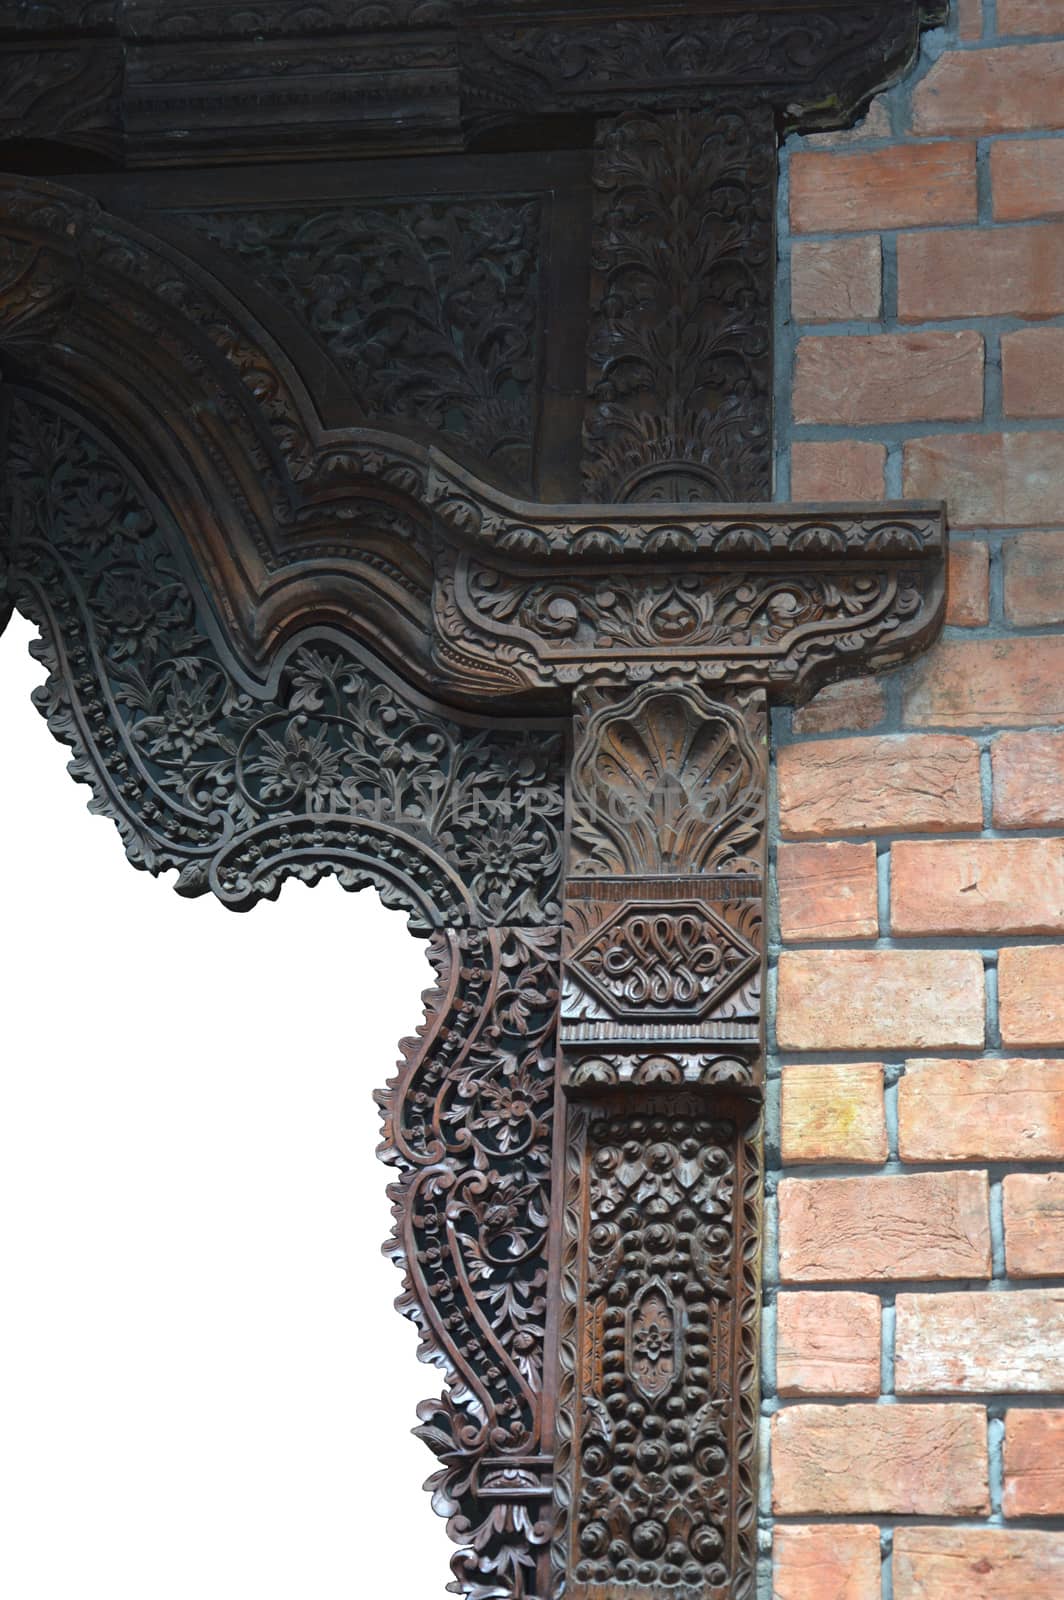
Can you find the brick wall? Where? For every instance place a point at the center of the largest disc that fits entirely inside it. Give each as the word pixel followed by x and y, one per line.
pixel 914 1328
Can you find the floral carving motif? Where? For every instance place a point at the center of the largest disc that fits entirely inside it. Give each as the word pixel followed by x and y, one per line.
pixel 755 624
pixel 430 307
pixel 333 768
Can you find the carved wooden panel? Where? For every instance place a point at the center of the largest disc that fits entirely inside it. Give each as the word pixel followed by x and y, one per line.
pixel 385 433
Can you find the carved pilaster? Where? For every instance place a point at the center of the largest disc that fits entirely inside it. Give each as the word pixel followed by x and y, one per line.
pixel 661 1037
pixel 680 353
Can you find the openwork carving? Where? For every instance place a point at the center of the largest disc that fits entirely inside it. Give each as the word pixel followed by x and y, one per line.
pixel 301 393
pixel 469 1124
pixel 330 767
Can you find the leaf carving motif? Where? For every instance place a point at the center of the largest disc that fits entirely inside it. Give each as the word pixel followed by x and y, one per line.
pixel 430 307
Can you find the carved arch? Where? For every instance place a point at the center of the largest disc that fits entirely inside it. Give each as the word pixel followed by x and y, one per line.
pixel 291 632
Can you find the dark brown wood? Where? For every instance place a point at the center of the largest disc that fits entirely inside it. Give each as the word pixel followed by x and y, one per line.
pixel 405 518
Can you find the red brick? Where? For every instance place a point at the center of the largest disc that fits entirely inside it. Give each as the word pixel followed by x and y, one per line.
pixel 972 683
pixel 836 1562
pixel 1027 178
pixel 902 186
pixel 1004 90
pixel 1031 995
pixel 827 1343
pixel 879 999
pixel 1034 1224
pixel 827 891
pixel 853 704
pixel 989 479
pixel 968 600
pixel 1032 361
pixel 837 469
pixel 988 1110
pixel 975 1342
pixel 1014 271
pixel 977 886
pixel 833 1113
pixel 911 1460
pixel 1034 1464
pixel 849 379
pixel 969 19
pixel 1028 770
pixel 1030 16
pixel 1034 577
pixel 977 1564
pixel 891 783
pixel 862 1230
pixel 836 280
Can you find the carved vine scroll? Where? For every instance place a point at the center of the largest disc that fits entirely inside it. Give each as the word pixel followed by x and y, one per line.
pixel 385 439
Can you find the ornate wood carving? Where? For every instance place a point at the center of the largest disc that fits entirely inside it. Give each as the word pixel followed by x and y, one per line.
pixel 388 518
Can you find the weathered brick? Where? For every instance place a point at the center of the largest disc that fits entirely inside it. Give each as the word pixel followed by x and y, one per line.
pixel 827 891
pixel 879 999
pixel 1005 480
pixel 972 1342
pixel 902 186
pixel 827 1343
pixel 989 1110
pixel 1027 178
pixel 837 469
pixel 895 783
pixel 849 1230
pixel 971 683
pixel 1030 16
pixel 853 704
pixel 1013 271
pixel 1034 1223
pixel 977 886
pixel 1004 90
pixel 833 1113
pixel 1032 365
pixel 1034 1464
pixel 850 379
pixel 836 280
pixel 911 1460
pixel 968 600
pixel 836 1562
pixel 977 1564
pixel 1031 995
pixel 1028 774
pixel 1034 576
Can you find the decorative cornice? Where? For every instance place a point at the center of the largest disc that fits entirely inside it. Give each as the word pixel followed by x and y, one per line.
pixel 172 83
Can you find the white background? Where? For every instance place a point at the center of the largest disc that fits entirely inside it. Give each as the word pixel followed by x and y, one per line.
pixel 205 1393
